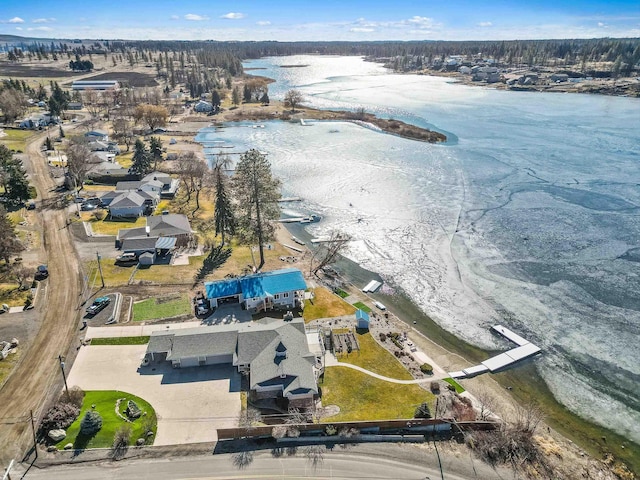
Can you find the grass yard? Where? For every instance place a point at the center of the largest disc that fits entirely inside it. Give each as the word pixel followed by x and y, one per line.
pixel 459 388
pixel 341 293
pixel 111 227
pixel 16 217
pixel 13 297
pixel 153 308
pixel 113 274
pixel 362 307
pixel 97 188
pixel 362 397
pixel 126 159
pixel 373 357
pixel 105 404
pixel 120 341
pixel 241 259
pixel 170 274
pixel 16 139
pixel 326 304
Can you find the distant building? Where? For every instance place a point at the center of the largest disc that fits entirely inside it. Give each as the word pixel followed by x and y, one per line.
pixel 559 77
pixel 203 107
pixel 362 319
pixel 80 85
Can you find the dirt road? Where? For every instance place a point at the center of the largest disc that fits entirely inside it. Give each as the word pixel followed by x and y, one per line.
pixel 38 371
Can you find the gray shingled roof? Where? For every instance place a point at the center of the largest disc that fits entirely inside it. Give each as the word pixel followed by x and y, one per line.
pixel 128 185
pixel 132 233
pixel 127 199
pixel 170 224
pixel 254 343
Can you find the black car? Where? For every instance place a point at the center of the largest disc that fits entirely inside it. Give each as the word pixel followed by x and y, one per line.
pixel 41 272
pixel 98 304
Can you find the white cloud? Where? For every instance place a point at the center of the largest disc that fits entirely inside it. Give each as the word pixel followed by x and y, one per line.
pixel 19 28
pixel 39 29
pixel 421 22
pixel 233 16
pixel 16 20
pixel 485 24
pixel 175 17
pixel 414 23
pixel 195 18
pixel 263 22
pixel 362 29
pixel 602 25
pixel 43 20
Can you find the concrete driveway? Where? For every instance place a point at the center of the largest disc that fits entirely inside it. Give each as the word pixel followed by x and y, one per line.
pixel 190 403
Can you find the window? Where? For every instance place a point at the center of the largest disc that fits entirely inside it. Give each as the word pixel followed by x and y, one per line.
pixel 276 296
pixel 285 295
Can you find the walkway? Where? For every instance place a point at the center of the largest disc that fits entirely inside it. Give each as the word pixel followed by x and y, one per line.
pixel 136 330
pixel 332 361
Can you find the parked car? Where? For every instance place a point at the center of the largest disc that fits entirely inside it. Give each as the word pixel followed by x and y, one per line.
pixel 202 308
pixel 98 304
pixel 85 207
pixel 127 259
pixel 42 272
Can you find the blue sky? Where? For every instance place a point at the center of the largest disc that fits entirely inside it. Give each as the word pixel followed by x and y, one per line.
pixel 289 20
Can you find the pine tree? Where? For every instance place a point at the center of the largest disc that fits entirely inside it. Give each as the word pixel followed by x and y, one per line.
pixel 10 245
pixel 141 159
pixel 155 150
pixel 13 177
pixel 257 192
pixel 223 216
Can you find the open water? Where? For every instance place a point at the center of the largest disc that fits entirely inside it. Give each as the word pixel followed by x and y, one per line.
pixel 529 216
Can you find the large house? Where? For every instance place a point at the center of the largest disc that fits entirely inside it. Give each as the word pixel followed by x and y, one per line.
pixel 274 354
pixel 261 291
pixel 170 225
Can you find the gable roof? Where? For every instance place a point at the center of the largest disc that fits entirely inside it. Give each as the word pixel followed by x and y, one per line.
pixel 127 200
pixel 222 288
pixel 128 185
pixel 97 133
pixel 136 232
pixel 139 243
pixel 165 178
pixel 169 224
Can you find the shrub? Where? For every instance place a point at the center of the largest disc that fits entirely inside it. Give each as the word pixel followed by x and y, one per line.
pixel 279 431
pixel 330 430
pixel 121 440
pixel 435 387
pixel 99 215
pixel 61 415
pixel 88 182
pixel 75 396
pixel 383 337
pixel 422 411
pixel 91 423
pixel 426 369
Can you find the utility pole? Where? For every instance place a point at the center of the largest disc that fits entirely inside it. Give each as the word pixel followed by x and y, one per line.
pixel 64 377
pixel 100 269
pixel 33 429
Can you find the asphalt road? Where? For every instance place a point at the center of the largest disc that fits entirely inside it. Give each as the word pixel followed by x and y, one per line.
pixel 387 461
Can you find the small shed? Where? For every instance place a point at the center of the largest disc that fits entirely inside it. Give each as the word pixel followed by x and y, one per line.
pixel 146 259
pixel 362 319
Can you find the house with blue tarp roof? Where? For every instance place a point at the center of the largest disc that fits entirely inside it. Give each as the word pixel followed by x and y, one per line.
pixel 279 289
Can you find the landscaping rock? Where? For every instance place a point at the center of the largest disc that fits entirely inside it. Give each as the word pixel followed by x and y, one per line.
pixel 68 446
pixel 14 342
pixel 149 434
pixel 57 434
pixel 140 442
pixel 52 448
pixel 132 410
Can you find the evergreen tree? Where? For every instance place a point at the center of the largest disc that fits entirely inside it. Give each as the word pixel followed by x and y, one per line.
pixel 265 98
pixel 13 177
pixel 10 245
pixel 141 159
pixel 223 216
pixel 257 192
pixel 155 150
pixel 235 96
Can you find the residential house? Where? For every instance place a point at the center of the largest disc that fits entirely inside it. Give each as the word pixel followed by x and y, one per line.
pixel 203 107
pixel 152 246
pixel 261 291
pixel 153 186
pixel 94 84
pixel 559 77
pixel 172 225
pixel 169 184
pixel 362 319
pixel 101 135
pixel 74 106
pixel 127 204
pixel 274 354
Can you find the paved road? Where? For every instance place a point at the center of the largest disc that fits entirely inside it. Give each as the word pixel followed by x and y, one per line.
pixel 38 369
pixel 367 462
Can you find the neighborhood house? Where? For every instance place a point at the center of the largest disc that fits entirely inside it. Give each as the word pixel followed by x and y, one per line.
pixel 261 291
pixel 273 353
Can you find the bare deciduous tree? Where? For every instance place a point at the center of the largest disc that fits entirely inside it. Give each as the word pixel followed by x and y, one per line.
pixel 328 251
pixel 292 99
pixel 79 158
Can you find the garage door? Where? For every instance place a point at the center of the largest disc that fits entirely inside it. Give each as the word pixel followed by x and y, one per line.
pixel 218 359
pixel 188 362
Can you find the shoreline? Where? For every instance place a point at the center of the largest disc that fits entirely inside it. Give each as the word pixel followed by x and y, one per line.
pixel 523 383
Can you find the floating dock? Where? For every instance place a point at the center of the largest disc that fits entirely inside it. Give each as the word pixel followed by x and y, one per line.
pixel 525 349
pixel 291 247
pixel 290 199
pixel 297 240
pixel 372 286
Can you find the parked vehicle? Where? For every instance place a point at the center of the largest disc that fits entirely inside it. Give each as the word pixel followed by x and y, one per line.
pixel 127 259
pixel 42 272
pixel 98 304
pixel 85 207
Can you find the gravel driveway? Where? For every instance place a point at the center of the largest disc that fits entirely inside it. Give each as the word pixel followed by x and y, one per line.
pixel 190 403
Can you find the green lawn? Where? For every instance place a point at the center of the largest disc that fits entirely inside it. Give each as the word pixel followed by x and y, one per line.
pixel 375 358
pixel 326 304
pixel 16 139
pixel 105 404
pixel 459 388
pixel 120 341
pixel 362 397
pixel 111 227
pixel 114 275
pixel 362 307
pixel 170 274
pixel 153 308
pixel 341 293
